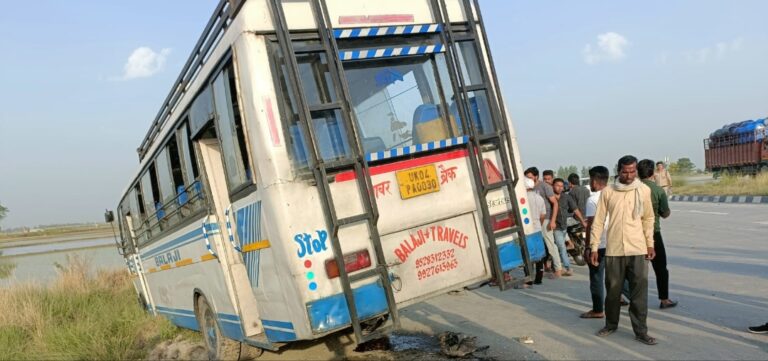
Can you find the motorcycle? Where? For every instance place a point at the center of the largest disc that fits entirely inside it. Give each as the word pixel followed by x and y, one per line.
pixel 577 243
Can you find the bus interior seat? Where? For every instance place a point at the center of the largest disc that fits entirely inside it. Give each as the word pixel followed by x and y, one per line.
pixel 182 195
pixel 373 144
pixel 483 121
pixel 159 211
pixel 428 125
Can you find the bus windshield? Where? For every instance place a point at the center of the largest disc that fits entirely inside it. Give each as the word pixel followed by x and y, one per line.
pixel 402 101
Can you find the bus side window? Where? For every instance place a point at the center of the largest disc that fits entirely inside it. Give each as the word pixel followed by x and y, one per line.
pixel 136 223
pixel 479 107
pixel 177 174
pixel 164 176
pixel 125 232
pixel 231 134
pixel 189 158
pixel 331 135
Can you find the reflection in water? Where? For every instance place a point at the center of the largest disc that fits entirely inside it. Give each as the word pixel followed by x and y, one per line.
pixel 40 268
pixel 56 246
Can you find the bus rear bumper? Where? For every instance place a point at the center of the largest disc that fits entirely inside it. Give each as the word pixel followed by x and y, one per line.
pixel 331 313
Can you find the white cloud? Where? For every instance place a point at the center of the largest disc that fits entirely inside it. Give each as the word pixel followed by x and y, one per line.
pixel 715 52
pixel 144 62
pixel 610 47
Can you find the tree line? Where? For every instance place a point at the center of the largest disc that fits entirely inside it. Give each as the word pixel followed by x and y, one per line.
pixel 681 166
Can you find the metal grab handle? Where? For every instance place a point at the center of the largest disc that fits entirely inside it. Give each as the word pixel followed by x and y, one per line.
pixel 205 237
pixel 229 230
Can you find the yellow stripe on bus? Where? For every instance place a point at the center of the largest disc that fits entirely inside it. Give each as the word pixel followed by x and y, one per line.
pixel 207 257
pixel 184 262
pixel 256 246
pixel 165 267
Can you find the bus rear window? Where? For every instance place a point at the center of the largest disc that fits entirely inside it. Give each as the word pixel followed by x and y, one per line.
pixel 401 101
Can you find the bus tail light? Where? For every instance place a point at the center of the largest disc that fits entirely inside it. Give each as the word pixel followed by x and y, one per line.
pixel 352 262
pixel 502 221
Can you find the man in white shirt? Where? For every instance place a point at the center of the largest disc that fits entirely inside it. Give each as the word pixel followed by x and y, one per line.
pixel 538 214
pixel 598 179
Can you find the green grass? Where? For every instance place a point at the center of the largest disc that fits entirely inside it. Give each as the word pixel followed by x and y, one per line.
pixel 728 186
pixel 83 315
pixel 6 268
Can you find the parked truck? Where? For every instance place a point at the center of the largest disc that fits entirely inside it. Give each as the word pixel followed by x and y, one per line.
pixel 740 148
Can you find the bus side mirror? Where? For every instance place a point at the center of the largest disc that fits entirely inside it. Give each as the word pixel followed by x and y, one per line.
pixel 109 217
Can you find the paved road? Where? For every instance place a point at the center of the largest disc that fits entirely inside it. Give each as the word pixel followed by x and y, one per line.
pixel 717 262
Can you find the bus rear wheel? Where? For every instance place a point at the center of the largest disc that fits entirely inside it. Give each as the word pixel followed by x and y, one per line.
pixel 219 347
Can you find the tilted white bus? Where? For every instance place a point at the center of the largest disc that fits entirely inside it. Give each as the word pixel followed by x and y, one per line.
pixel 319 164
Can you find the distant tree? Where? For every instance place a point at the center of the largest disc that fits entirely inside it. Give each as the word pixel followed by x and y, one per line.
pixel 564 172
pixel 3 213
pixel 585 172
pixel 682 166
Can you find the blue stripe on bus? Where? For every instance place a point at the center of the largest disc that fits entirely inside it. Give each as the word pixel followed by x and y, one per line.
pixel 230 325
pixel 279 336
pixel 185 237
pixel 232 330
pixel 510 256
pixel 387 30
pixel 395 152
pixel 180 241
pixel 228 317
pixel 189 322
pixel 181 318
pixel 176 310
pixel 331 313
pixel 248 232
pixel 280 324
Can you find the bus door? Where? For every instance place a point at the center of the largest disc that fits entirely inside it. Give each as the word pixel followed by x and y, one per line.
pixel 130 252
pixel 236 209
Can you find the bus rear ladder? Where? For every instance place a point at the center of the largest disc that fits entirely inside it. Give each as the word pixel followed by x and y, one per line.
pixel 500 137
pixel 354 161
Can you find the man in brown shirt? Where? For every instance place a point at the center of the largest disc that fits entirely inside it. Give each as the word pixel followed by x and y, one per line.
pixel 629 247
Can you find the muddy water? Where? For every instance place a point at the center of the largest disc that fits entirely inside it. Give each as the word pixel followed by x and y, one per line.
pixel 40 267
pixel 56 246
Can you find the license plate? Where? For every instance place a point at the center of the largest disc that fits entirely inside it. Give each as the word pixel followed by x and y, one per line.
pixel 418 181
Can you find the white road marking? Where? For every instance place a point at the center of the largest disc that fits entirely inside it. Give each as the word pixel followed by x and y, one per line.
pixel 765 223
pixel 715 213
pixel 701 212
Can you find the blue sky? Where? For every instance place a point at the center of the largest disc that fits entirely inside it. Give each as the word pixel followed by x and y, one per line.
pixel 585 82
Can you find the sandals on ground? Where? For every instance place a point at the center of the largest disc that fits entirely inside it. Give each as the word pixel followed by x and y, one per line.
pixel 591 314
pixel 648 340
pixel 605 331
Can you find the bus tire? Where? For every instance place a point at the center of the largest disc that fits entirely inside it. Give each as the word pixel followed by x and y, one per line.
pixel 219 347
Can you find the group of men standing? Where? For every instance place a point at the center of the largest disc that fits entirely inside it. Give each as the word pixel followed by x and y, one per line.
pixel 623 235
pixel 552 217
